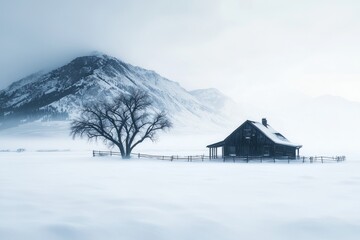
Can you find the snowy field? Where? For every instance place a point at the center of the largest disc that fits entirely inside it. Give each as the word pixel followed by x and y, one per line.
pixel 71 195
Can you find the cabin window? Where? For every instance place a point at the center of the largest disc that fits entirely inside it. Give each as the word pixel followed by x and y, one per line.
pixel 231 150
pixel 247 132
pixel 281 137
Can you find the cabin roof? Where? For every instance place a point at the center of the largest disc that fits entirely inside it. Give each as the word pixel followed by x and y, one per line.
pixel 274 135
pixel 267 130
pixel 218 144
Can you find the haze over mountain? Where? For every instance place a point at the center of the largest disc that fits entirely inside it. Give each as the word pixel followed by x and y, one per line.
pixel 324 125
pixel 60 93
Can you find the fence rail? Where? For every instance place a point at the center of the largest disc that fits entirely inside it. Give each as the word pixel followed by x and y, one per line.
pixel 105 153
pixel 303 159
pixel 189 158
pixel 202 158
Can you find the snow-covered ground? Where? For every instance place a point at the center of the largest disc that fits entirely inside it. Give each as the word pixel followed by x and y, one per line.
pixel 71 195
pixel 55 135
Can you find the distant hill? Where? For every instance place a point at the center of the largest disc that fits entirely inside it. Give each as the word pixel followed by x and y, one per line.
pixel 58 94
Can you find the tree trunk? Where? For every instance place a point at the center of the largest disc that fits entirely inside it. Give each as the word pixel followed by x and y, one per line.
pixel 128 153
pixel 122 152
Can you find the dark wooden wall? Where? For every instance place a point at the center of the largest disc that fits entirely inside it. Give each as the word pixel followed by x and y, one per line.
pixel 248 140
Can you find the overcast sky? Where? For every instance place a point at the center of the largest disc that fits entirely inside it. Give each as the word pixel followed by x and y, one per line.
pixel 245 48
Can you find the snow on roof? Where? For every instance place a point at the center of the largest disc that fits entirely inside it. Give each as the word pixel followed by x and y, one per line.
pixel 274 136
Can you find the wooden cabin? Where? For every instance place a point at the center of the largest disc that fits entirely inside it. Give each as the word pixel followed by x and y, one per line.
pixel 254 139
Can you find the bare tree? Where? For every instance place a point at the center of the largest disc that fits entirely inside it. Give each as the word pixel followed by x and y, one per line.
pixel 125 123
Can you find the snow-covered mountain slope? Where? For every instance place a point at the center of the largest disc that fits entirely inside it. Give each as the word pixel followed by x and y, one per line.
pixel 217 101
pixel 60 93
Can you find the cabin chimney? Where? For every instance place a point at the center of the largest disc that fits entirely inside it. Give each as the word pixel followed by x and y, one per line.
pixel 264 122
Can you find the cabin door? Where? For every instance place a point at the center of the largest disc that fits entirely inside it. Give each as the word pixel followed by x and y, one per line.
pixel 231 151
pixel 247 150
pixel 266 151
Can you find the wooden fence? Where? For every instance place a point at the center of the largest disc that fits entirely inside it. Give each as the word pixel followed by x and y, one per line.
pixel 202 158
pixel 303 159
pixel 189 158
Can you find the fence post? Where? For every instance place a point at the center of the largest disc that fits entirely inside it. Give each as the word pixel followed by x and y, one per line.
pixel 138 155
pixel 110 153
pixel 171 159
pixel 93 153
pixel 274 159
pixel 322 160
pixel 288 160
pixel 202 157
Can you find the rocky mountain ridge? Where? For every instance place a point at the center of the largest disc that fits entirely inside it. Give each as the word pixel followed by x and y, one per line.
pixel 59 94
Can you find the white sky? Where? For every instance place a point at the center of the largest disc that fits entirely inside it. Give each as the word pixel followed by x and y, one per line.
pixel 245 48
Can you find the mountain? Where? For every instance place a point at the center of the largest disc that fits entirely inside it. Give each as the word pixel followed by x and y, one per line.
pixel 60 93
pixel 217 101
